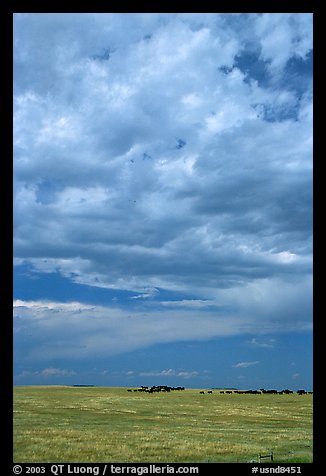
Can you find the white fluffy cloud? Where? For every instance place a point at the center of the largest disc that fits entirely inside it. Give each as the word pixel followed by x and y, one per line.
pixel 244 365
pixel 282 37
pixel 184 374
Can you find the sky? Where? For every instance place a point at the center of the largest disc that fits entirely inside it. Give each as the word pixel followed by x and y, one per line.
pixel 163 199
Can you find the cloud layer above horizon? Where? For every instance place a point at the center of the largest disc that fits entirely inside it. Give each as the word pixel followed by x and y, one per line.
pixel 165 152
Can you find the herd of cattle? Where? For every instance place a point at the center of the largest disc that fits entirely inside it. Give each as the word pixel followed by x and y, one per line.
pixel 154 388
pixel 262 391
pixel 166 388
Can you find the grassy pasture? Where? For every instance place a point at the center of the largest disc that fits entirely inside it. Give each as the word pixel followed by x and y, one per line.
pixel 66 424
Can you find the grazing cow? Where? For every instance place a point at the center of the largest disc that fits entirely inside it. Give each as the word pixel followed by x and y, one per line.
pixel 301 392
pixel 202 393
pixel 209 391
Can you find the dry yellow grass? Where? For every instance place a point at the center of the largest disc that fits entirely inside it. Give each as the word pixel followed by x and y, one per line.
pixel 62 424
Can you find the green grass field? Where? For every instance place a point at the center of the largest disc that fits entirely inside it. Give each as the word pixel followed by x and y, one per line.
pixel 66 424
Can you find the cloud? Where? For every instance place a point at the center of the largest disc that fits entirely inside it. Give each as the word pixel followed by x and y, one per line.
pixel 52 372
pixel 49 372
pixel 65 330
pixel 244 365
pixel 268 344
pixel 190 303
pixel 284 36
pixel 149 156
pixel 36 306
pixel 58 330
pixel 170 373
pixel 150 294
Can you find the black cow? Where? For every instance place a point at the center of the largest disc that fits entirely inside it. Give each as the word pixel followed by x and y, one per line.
pixel 287 391
pixel 301 392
